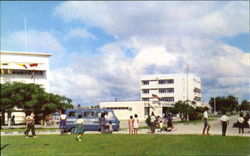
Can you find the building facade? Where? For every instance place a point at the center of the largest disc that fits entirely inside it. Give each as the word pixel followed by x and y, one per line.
pixel 24 67
pixel 158 93
pixel 171 87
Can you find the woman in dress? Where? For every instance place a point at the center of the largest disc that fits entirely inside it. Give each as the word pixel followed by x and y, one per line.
pixel 135 124
pixel 79 128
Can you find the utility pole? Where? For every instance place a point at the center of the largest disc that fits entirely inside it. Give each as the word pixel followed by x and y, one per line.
pixel 187 80
pixel 214 99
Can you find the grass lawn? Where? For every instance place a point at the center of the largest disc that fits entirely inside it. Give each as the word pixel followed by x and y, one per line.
pixel 127 145
pixel 23 129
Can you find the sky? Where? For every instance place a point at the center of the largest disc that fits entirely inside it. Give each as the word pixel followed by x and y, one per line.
pixel 101 49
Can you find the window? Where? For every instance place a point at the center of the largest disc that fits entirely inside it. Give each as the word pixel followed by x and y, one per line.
pixel 89 114
pixel 170 81
pixel 163 90
pixel 145 99
pixel 170 90
pixel 145 91
pixel 197 90
pixel 162 81
pixel 169 99
pixel 146 110
pixel 197 98
pixel 145 82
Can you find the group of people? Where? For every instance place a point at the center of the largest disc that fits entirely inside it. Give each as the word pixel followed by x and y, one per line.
pixel 224 121
pixel 133 124
pixel 157 121
pixel 102 124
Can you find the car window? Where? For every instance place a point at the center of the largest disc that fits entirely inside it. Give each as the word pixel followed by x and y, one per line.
pixel 89 114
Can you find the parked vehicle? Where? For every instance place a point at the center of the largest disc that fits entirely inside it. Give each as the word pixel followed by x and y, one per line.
pixel 91 119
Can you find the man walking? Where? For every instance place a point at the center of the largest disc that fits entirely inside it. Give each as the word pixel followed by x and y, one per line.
pixel 205 121
pixel 224 120
pixel 30 124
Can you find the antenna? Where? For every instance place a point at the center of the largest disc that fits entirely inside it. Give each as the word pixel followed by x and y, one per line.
pixel 25 35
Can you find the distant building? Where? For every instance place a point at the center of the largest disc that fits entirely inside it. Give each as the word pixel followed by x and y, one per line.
pixel 171 87
pixel 158 93
pixel 24 67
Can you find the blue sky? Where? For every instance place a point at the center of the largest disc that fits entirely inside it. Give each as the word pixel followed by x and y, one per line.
pixel 107 46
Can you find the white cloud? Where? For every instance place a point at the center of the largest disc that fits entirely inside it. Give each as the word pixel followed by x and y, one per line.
pixel 36 41
pixel 162 37
pixel 79 33
pixel 158 19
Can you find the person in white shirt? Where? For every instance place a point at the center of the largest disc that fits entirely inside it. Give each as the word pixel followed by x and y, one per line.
pixel 205 121
pixel 224 120
pixel 62 124
pixel 79 127
pixel 240 123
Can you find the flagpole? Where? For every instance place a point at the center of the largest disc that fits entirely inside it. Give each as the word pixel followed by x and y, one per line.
pixel 25 35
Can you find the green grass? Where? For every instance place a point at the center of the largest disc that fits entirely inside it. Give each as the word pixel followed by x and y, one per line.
pixel 23 129
pixel 124 145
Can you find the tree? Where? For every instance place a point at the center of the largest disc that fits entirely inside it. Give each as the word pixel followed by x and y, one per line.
pixel 228 104
pixel 245 106
pixel 184 109
pixel 31 98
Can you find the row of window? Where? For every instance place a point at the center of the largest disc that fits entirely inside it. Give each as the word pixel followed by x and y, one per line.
pixel 169 81
pixel 119 108
pixel 21 72
pixel 89 114
pixel 197 90
pixel 197 98
pixel 168 99
pixel 162 90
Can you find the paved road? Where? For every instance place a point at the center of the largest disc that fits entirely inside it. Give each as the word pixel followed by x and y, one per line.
pixel 193 128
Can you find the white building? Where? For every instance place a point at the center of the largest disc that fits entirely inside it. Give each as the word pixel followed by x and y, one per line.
pixel 158 93
pixel 171 87
pixel 24 67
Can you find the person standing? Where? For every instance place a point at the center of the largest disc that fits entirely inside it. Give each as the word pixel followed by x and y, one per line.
pixel 224 120
pixel 13 120
pixel 240 123
pixel 110 127
pixel 130 125
pixel 170 126
pixel 205 121
pixel 79 128
pixel 135 123
pixel 102 123
pixel 63 120
pixel 152 122
pixel 30 125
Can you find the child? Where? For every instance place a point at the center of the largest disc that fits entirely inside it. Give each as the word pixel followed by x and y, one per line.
pixel 161 125
pixel 79 127
pixel 135 124
pixel 110 127
pixel 224 122
pixel 130 125
pixel 240 123
pixel 102 123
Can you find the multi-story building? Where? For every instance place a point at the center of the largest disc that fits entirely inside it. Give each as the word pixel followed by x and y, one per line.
pixel 24 67
pixel 158 93
pixel 171 87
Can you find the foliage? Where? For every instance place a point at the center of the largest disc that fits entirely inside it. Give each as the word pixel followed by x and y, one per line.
pixel 31 98
pixel 228 104
pixel 245 106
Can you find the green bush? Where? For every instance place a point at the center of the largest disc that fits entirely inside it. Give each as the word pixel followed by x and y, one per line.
pixel 195 116
pixel 148 121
